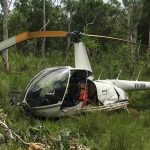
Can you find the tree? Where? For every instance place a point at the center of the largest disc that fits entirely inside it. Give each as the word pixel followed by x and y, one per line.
pixel 144 26
pixel 44 28
pixel 4 5
pixel 134 11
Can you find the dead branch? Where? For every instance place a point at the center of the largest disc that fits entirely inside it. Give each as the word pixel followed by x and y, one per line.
pixel 73 145
pixel 4 125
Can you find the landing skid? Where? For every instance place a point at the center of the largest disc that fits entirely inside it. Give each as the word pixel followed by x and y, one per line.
pixel 109 107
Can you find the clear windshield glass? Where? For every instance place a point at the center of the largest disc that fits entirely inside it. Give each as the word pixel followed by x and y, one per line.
pixel 48 88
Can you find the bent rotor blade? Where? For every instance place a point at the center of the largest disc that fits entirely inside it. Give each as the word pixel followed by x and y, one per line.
pixel 113 38
pixel 30 35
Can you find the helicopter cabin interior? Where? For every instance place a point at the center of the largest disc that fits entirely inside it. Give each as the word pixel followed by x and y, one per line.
pixel 80 89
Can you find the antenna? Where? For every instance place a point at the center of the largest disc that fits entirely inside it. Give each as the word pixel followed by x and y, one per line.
pixel 139 74
pixel 100 74
pixel 119 73
pixel 139 47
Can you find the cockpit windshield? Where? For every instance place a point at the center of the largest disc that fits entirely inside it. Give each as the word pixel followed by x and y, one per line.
pixel 48 87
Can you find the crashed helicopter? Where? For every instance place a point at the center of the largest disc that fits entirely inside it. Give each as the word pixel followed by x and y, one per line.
pixel 64 90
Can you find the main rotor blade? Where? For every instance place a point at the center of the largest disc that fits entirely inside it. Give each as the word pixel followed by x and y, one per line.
pixel 113 38
pixel 30 35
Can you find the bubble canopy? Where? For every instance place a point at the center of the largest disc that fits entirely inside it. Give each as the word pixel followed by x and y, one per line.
pixel 50 86
pixel 47 87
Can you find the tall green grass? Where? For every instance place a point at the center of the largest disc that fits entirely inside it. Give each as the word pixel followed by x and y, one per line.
pixel 100 131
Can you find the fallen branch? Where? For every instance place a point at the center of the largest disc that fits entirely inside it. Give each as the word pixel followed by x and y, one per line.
pixel 73 145
pixel 4 125
pixel 12 135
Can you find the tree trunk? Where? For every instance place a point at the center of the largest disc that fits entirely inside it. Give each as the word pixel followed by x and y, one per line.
pixel 44 28
pixel 5 34
pixel 149 41
pixel 133 52
pixel 68 38
pixel 131 36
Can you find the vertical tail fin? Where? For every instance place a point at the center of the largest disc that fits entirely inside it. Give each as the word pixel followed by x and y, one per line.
pixel 81 57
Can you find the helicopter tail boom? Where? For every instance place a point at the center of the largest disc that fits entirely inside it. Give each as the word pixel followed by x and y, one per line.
pixel 130 85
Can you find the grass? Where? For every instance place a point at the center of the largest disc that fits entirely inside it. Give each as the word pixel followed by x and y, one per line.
pixel 99 131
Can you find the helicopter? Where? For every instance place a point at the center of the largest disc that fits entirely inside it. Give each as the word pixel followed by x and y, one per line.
pixel 64 90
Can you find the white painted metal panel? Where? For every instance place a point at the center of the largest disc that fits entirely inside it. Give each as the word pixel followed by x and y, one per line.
pixel 106 92
pixel 81 57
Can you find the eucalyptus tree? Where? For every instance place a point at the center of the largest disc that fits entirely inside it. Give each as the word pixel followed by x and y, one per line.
pixel 144 27
pixel 44 28
pixel 4 5
pixel 134 11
